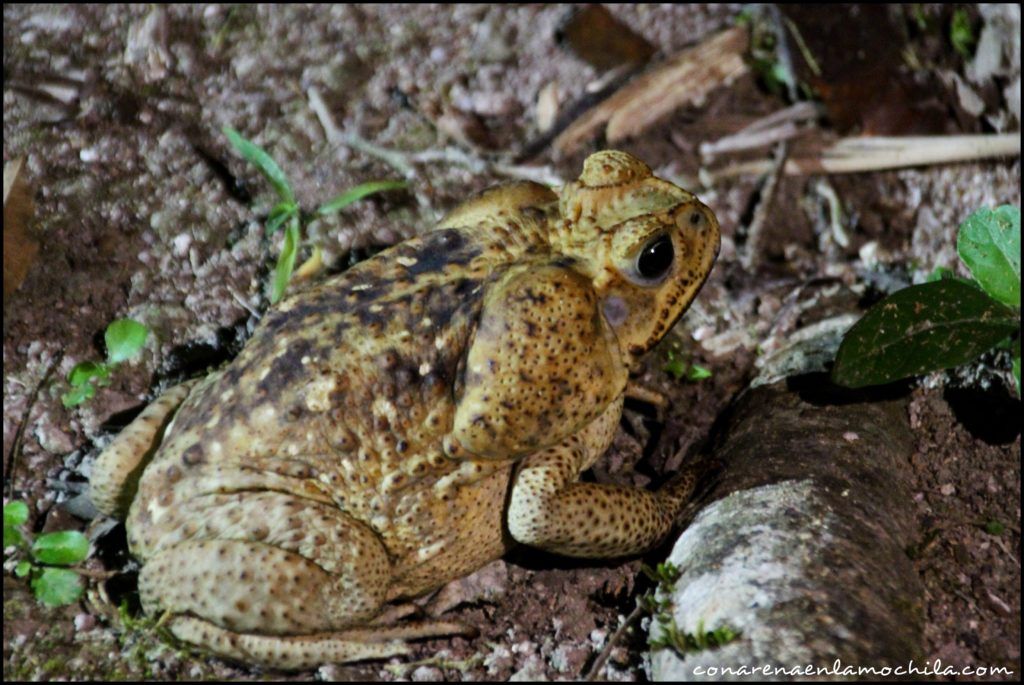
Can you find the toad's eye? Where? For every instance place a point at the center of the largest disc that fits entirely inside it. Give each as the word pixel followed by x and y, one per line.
pixel 655 259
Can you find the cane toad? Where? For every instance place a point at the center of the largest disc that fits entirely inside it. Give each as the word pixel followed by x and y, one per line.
pixel 402 424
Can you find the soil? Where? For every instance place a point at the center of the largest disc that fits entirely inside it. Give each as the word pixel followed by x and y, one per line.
pixel 141 209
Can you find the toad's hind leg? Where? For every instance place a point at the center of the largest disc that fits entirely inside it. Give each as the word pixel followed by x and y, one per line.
pixel 116 472
pixel 307 651
pixel 298 597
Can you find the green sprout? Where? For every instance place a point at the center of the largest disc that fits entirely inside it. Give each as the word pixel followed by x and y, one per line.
pixel 945 322
pixel 287 212
pixel 677 367
pixel 45 556
pixel 961 33
pixel 682 642
pixel 993 527
pixel 124 339
pixel 666 575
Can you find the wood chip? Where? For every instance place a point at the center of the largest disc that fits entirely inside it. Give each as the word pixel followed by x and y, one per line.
pixel 684 78
pixel 548 102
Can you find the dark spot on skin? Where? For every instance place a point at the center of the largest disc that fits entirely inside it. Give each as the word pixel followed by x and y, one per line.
pixel 373 320
pixel 405 377
pixel 533 298
pixel 388 359
pixel 287 368
pixel 440 249
pixel 193 456
pixel 434 383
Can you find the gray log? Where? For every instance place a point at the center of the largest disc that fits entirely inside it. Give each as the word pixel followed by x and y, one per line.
pixel 802 548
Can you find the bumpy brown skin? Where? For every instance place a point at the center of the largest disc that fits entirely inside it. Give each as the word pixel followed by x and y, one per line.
pixel 404 423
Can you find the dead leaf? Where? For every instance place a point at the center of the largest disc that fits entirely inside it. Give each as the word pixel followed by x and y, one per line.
pixel 594 35
pixel 20 249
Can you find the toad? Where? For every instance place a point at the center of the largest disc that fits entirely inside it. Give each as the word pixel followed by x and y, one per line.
pixel 402 424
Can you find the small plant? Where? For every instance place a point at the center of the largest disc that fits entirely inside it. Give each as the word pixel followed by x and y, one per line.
pixel 961 33
pixel 677 367
pixel 681 642
pixel 124 339
pixel 666 575
pixel 51 584
pixel 287 212
pixel 948 321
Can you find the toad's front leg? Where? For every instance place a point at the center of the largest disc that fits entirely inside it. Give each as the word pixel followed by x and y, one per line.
pixel 550 509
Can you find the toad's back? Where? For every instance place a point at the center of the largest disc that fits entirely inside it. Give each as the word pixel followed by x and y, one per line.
pixel 343 395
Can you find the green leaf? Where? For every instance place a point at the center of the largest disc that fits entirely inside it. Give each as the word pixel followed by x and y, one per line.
pixel 83 372
pixel 920 329
pixel 12 536
pixel 994 527
pixel 286 260
pixel 15 514
pixel 281 212
pixel 63 548
pixel 698 373
pixel 57 586
pixel 358 193
pixel 989 244
pixel 124 338
pixel 22 569
pixel 266 165
pixel 76 396
pixel 676 365
pixel 961 35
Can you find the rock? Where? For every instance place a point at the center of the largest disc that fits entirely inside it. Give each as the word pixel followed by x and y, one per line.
pixel 147 49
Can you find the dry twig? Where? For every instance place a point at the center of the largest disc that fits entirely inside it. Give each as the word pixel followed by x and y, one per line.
pixel 752 251
pixel 857 154
pixel 599 663
pixel 404 162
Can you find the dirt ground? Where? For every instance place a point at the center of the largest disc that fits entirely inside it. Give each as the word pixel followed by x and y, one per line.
pixel 141 209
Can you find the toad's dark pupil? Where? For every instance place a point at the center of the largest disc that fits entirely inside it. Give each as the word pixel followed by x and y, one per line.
pixel 656 257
